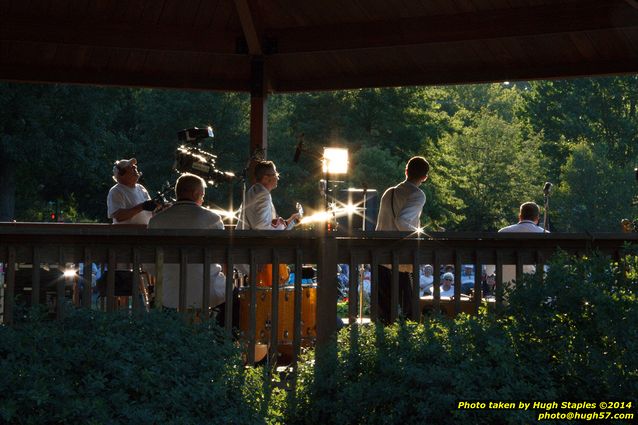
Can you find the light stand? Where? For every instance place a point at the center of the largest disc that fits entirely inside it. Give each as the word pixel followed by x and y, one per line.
pixel 335 162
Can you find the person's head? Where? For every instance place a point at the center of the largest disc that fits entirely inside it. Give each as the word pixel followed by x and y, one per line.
pixel 417 169
pixel 125 172
pixel 190 187
pixel 468 269
pixel 428 270
pixel 529 211
pixel 447 280
pixel 266 174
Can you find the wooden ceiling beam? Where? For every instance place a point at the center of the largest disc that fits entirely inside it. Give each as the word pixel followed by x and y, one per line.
pixel 123 36
pixel 470 74
pixel 249 27
pixel 504 23
pixel 23 74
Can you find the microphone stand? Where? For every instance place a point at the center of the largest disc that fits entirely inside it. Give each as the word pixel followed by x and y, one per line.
pixel 545 215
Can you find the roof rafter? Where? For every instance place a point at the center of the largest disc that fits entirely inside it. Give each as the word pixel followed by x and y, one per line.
pixel 248 25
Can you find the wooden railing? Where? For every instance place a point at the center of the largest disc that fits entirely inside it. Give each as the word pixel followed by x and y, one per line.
pixel 26 243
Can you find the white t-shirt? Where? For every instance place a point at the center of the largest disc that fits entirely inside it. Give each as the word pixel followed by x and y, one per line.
pixel 124 197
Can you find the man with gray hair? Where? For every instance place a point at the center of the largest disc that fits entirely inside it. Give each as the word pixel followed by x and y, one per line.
pixel 128 202
pixel 188 213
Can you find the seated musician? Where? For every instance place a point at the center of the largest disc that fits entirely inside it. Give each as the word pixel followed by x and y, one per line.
pixel 259 213
pixel 188 213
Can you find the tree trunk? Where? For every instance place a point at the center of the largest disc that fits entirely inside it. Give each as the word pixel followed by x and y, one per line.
pixel 7 189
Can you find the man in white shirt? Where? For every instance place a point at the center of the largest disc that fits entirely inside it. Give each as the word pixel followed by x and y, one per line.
pixel 402 204
pixel 259 212
pixel 128 202
pixel 188 213
pixel 529 215
pixel 400 210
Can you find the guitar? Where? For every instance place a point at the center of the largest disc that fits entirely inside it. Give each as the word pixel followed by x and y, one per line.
pixel 296 222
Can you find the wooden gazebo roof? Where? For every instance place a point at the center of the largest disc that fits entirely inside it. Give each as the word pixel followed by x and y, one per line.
pixel 313 45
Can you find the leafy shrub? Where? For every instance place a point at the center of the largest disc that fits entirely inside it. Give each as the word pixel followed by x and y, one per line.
pixel 569 336
pixel 98 368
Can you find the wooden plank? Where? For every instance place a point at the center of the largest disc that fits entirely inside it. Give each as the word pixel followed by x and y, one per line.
pixel 457 281
pixel 436 285
pixel 87 278
pixel 274 315
pixel 183 279
pixel 159 278
pixel 327 290
pixel 9 289
pixel 394 289
pixel 374 287
pixel 353 290
pixel 249 27
pixel 135 289
pixel 296 335
pixel 35 277
pixel 416 287
pixel 228 308
pixel 60 285
pixel 252 316
pixel 206 283
pixel 478 289
pixel 484 25
pixel 499 281
pixel 110 281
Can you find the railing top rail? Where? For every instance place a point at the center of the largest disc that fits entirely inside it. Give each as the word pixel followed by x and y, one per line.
pixel 97 229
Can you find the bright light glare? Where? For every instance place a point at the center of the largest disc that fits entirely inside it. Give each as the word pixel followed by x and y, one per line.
pixel 69 272
pixel 335 160
pixel 317 218
pixel 350 209
pixel 226 214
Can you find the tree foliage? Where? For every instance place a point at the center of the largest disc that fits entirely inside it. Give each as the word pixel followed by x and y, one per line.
pixel 491 146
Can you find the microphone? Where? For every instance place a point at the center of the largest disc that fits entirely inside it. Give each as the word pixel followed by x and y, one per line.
pixel 298 151
pixel 547 188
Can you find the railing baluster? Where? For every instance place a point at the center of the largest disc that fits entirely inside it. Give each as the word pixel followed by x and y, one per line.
pixel 87 278
pixel 183 279
pixel 394 289
pixel 135 290
pixel 228 307
pixel 436 284
pixel 416 287
pixel 374 287
pixel 35 277
pixel 110 282
pixel 296 336
pixel 274 315
pixel 499 281
pixel 353 291
pixel 206 284
pixel 9 290
pixel 478 290
pixel 252 316
pixel 159 278
pixel 519 266
pixel 540 264
pixel 60 286
pixel 457 282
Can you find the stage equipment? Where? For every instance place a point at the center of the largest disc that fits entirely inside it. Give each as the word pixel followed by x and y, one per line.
pixel 192 158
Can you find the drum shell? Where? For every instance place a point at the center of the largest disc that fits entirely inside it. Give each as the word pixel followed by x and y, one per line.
pixel 286 310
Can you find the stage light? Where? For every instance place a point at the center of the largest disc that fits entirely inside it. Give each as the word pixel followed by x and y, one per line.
pixel 69 273
pixel 335 160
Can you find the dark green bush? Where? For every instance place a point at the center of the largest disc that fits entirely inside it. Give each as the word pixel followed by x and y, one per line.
pixel 570 336
pixel 95 368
